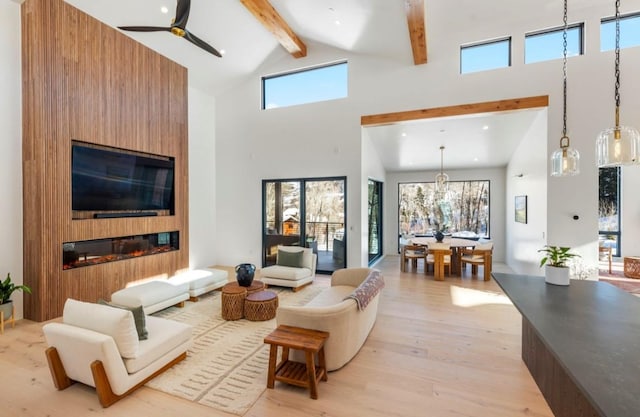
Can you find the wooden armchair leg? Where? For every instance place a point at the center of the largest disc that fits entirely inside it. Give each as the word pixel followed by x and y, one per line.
pixel 103 388
pixel 59 375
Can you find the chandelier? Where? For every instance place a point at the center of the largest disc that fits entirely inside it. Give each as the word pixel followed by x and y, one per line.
pixel 566 160
pixel 442 179
pixel 618 145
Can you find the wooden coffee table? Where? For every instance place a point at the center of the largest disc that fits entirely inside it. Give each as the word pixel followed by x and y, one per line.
pixel 260 306
pixel 306 374
pixel 254 287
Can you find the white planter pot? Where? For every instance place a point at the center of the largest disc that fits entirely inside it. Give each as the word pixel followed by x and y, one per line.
pixel 556 275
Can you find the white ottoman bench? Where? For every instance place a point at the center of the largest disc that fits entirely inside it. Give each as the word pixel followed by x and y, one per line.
pixel 152 295
pixel 201 281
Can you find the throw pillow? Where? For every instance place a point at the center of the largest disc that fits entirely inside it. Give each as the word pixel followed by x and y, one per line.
pixel 293 259
pixel 138 317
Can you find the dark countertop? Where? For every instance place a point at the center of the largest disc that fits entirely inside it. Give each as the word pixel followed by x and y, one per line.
pixel 593 329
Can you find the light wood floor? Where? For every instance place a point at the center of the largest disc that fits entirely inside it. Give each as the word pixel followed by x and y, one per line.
pixel 447 348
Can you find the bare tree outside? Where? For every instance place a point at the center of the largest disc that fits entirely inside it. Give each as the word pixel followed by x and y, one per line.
pixel 464 209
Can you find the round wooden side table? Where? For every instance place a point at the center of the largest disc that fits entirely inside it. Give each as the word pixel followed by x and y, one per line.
pixel 632 267
pixel 254 287
pixel 233 302
pixel 260 306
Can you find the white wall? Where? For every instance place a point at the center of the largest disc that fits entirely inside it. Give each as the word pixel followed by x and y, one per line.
pixel 527 174
pixel 372 168
pixel 11 148
pixel 316 140
pixel 202 180
pixel 630 203
pixel 324 139
pixel 496 177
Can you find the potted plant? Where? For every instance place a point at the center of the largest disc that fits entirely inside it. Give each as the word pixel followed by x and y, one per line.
pixel 6 290
pixel 557 270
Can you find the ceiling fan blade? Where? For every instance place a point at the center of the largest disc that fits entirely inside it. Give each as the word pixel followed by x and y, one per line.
pixel 145 28
pixel 182 13
pixel 202 44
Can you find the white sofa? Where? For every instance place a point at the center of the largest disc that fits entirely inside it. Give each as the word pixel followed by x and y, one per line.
pixel 290 276
pixel 159 294
pixel 98 345
pixel 335 312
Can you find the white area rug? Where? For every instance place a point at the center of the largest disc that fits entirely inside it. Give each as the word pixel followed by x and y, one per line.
pixel 226 367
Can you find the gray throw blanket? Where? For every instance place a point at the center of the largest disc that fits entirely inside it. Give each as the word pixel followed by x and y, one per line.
pixel 368 289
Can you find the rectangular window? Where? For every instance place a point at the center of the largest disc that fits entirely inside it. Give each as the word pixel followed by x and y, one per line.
pixel 629 32
pixel 548 45
pixel 464 214
pixel 485 56
pixel 327 82
pixel 609 212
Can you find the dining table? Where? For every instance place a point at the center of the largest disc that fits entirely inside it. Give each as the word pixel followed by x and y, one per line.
pixel 456 244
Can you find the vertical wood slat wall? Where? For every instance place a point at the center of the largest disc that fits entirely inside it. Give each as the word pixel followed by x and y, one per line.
pixel 83 80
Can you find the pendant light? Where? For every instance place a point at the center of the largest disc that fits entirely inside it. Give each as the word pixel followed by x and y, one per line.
pixel 442 179
pixel 618 145
pixel 566 160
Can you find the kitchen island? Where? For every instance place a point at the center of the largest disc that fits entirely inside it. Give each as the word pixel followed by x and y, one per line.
pixel 581 344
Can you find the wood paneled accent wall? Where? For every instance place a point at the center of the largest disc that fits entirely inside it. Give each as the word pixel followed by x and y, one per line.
pixel 83 80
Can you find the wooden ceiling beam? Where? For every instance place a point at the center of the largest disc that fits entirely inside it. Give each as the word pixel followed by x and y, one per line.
pixel 415 12
pixel 459 110
pixel 274 23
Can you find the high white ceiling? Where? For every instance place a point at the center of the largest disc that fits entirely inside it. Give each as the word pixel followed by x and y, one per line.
pixel 368 27
pixel 478 141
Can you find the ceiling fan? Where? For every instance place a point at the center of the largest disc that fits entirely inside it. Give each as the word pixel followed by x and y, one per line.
pixel 178 28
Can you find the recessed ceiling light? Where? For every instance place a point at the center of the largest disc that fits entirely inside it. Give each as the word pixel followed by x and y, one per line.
pixel 403 134
pixel 164 9
pixel 475 159
pixel 337 22
pixel 485 127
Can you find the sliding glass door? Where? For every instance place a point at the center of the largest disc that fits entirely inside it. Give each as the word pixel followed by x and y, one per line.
pixel 306 212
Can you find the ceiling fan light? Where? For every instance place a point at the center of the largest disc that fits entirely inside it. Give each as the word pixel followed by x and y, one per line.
pixel 565 162
pixel 617 146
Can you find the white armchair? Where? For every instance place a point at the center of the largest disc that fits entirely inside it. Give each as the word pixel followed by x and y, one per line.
pixel 297 271
pixel 98 345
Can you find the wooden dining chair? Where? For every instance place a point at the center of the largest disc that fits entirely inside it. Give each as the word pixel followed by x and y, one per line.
pixel 413 253
pixel 607 253
pixel 480 255
pixel 439 256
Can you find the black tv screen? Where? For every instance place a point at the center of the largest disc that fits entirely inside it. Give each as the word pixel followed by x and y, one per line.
pixel 115 180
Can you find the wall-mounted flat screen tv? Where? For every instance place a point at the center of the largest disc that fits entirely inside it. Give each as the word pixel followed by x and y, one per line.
pixel 110 179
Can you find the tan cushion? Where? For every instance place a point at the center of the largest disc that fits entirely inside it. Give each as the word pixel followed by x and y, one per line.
pixel 164 335
pixel 285 272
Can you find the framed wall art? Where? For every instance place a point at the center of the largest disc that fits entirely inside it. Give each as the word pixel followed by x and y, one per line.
pixel 521 209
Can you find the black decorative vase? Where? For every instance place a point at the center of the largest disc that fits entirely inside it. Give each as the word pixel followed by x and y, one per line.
pixel 439 236
pixel 244 274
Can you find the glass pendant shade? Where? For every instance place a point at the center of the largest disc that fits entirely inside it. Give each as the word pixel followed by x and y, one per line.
pixel 565 162
pixel 618 146
pixel 442 182
pixel 442 179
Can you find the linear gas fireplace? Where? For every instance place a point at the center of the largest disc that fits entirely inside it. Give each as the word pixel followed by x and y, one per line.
pixel 94 252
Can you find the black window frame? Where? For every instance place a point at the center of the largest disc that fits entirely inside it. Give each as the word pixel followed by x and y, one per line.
pixel 266 78
pixel 509 41
pixel 579 26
